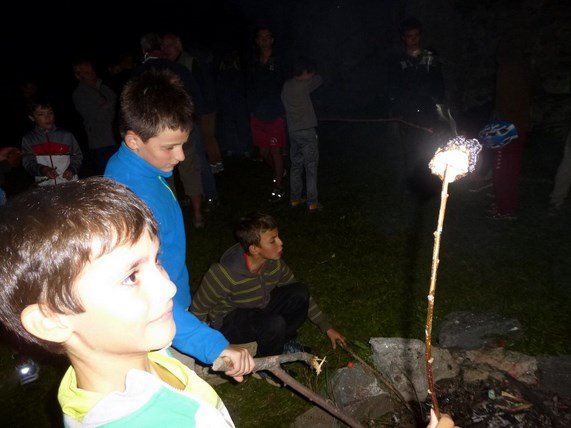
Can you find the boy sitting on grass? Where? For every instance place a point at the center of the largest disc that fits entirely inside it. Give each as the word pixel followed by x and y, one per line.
pixel 252 295
pixel 80 275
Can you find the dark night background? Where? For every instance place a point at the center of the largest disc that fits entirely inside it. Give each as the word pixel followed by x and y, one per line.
pixel 349 40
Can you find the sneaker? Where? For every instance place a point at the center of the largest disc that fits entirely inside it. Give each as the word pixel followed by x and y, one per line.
pixel 276 195
pixel 292 346
pixel 315 207
pixel 262 375
pixel 297 203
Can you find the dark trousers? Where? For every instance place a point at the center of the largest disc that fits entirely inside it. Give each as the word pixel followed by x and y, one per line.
pixel 507 169
pixel 272 326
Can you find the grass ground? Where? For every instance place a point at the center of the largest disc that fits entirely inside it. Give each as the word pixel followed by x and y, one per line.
pixel 367 260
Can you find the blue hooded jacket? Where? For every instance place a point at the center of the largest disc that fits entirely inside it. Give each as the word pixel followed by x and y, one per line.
pixel 193 337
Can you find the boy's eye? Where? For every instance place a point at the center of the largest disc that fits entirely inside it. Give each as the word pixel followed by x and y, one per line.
pixel 131 279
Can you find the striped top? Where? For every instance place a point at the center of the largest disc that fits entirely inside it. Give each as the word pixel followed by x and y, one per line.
pixel 229 285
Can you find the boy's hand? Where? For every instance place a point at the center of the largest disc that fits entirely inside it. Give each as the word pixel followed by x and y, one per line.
pixel 68 174
pixel 48 172
pixel 242 362
pixel 335 336
pixel 444 422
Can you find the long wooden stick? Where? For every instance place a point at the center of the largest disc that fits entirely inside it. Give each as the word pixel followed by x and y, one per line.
pixel 382 119
pixel 432 293
pixel 272 364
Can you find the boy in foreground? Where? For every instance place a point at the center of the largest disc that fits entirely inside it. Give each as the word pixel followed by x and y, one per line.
pixel 155 123
pixel 252 295
pixel 80 275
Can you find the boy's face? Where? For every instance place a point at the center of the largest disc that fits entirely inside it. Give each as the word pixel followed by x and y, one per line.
pixel 264 39
pixel 127 297
pixel 85 73
pixel 164 151
pixel 43 117
pixel 411 39
pixel 270 246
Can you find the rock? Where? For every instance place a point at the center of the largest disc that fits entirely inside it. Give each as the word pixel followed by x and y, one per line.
pixel 468 330
pixel 404 362
pixel 359 393
pixel 555 374
pixel 520 366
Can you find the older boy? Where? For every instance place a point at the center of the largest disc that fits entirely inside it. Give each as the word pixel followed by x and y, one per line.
pixel 252 295
pixel 155 122
pixel 50 154
pixel 80 275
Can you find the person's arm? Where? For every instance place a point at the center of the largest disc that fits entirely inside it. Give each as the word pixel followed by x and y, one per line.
pixel 30 162
pixel 209 295
pixel 315 82
pixel 75 158
pixel 316 315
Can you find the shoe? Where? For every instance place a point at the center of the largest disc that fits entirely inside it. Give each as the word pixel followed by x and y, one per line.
pixel 297 203
pixel 292 346
pixel 211 204
pixel 276 195
pixel 267 377
pixel 315 207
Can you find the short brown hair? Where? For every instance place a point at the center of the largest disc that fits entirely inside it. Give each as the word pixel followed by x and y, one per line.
pixel 153 101
pixel 49 234
pixel 250 228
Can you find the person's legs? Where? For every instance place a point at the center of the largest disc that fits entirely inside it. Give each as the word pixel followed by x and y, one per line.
pixel 310 150
pixel 208 128
pixel 296 169
pixel 190 177
pixel 272 326
pixel 208 180
pixel 563 177
pixel 278 166
pixel 507 169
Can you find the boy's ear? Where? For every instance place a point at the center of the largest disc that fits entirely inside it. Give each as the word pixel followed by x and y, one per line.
pixel 133 141
pixel 52 327
pixel 253 250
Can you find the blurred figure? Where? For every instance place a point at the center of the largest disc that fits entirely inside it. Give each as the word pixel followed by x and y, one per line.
pixel 232 120
pixel 173 49
pixel 267 123
pixel 96 103
pixel 562 182
pixel 416 86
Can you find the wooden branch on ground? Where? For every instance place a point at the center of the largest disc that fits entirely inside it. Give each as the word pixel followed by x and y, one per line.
pixel 387 119
pixel 272 364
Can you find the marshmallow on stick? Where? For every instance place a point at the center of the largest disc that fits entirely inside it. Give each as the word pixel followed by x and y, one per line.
pixel 459 156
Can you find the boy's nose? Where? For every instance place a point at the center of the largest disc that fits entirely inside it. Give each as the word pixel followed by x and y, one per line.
pixel 179 154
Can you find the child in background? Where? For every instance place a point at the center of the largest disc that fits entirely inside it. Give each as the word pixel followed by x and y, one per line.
pixel 80 276
pixel 50 154
pixel 301 124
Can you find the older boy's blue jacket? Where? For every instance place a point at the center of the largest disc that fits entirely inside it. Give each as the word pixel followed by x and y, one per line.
pixel 192 336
